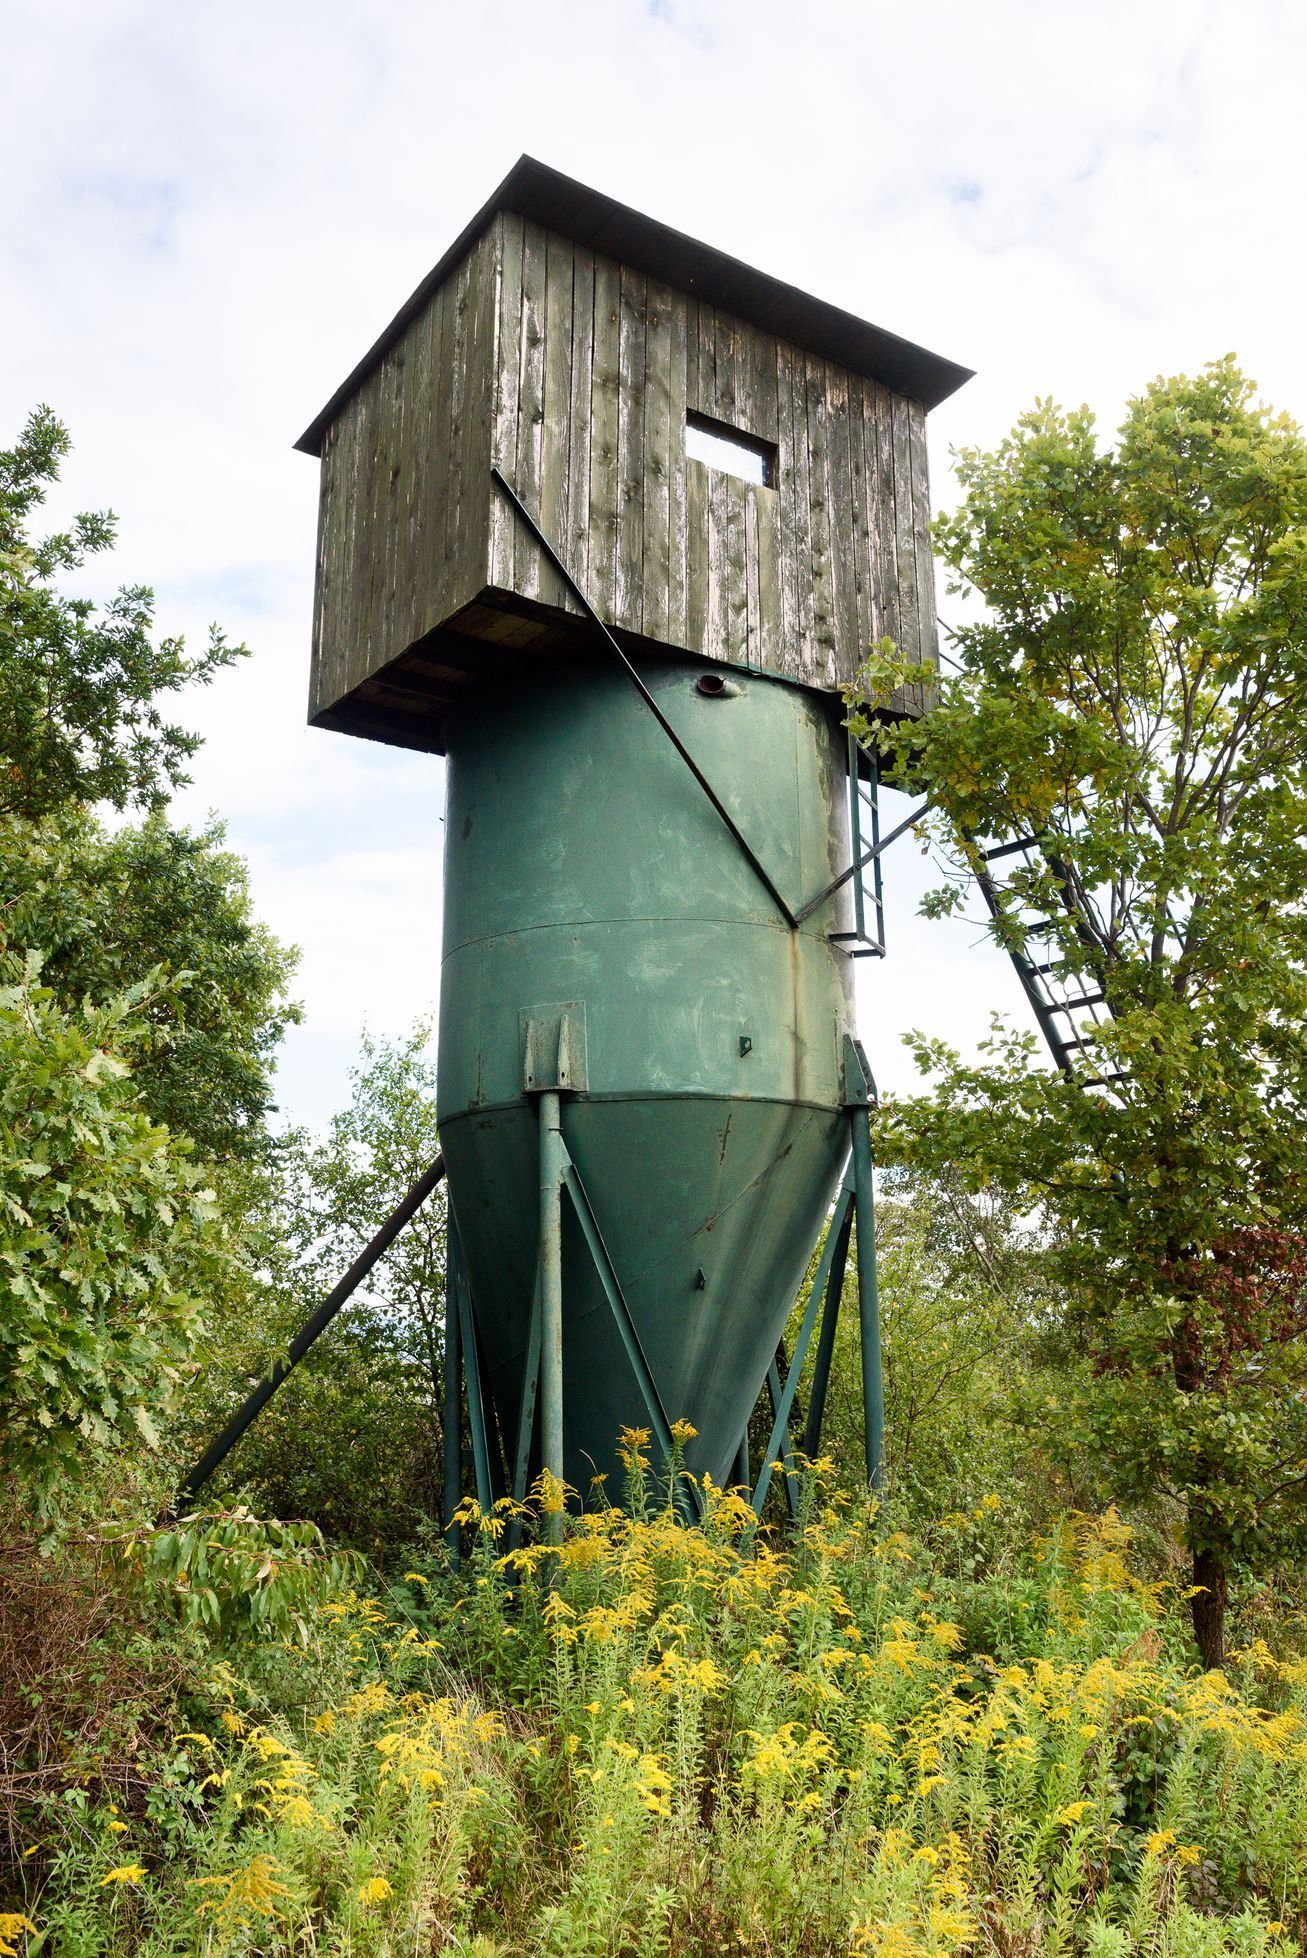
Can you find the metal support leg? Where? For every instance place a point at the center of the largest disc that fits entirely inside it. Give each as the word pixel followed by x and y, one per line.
pixel 873 1389
pixel 526 1417
pixel 453 1411
pixel 741 1477
pixel 782 1398
pixel 456 1281
pixel 779 1447
pixel 316 1324
pixel 660 1426
pixel 826 1339
pixel 551 1296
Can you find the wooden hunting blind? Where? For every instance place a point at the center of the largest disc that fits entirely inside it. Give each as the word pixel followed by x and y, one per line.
pixel 594 356
pixel 609 519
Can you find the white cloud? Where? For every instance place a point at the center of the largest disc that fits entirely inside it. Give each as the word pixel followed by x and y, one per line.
pixel 212 211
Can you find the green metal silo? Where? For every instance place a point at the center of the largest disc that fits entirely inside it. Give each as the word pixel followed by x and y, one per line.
pixel 609 519
pixel 703 1105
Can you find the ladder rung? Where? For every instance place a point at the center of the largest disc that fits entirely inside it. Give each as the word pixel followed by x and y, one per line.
pixel 1063 1047
pixel 1010 849
pixel 1085 999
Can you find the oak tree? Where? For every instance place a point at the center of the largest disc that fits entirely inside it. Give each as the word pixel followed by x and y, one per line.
pixel 1131 697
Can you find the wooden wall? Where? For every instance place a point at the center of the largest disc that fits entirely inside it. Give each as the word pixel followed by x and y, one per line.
pixel 590 427
pixel 404 511
pixel 576 375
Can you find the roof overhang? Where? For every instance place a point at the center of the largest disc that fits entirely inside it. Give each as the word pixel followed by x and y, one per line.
pixel 532 190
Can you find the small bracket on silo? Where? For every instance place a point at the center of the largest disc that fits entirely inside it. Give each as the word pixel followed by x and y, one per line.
pixel 553 1048
pixel 859 1083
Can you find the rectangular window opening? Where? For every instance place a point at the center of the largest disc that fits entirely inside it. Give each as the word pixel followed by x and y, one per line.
pixel 722 447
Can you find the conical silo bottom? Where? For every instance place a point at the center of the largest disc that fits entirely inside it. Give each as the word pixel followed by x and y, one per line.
pixel 709 1209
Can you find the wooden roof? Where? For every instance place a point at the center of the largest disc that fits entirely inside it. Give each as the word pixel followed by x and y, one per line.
pixel 533 190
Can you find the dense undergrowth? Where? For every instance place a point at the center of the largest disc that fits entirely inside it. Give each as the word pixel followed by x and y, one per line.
pixel 659 1739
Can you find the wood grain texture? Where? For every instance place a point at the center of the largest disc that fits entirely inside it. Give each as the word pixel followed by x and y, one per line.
pixel 605 395
pixel 527 470
pixel 662 460
pixel 556 419
pixel 507 379
pixel 628 596
pixel 577 555
pixel 576 374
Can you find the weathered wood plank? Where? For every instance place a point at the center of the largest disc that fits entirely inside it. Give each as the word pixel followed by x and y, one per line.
pixel 691 356
pixel 697 556
pixel 725 384
pixel 755 382
pixel 753 620
pixel 468 571
pixel 526 473
pixel 732 642
pixel 555 480
pixel 886 527
pixel 843 519
pixel 579 411
pixel 410 596
pixel 351 654
pixel 508 315
pixel 605 393
pixel 823 596
pixel 863 517
pixel 374 565
pixel 411 486
pixel 909 609
pixel 771 647
pixel 925 560
pixel 787 554
pixel 629 594
pixel 751 415
pixel 661 462
pixel 705 372
pixel 677 358
pixel 718 564
pixel 339 560
pixel 430 560
pixel 461 386
pixel 328 494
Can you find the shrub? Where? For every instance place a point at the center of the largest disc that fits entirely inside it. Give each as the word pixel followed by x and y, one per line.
pixel 108 1239
pixel 658 1738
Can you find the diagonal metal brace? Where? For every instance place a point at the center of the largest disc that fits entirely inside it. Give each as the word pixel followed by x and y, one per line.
pixel 456 1278
pixel 316 1324
pixel 827 1272
pixel 626 1326
pixel 578 594
pixel 868 856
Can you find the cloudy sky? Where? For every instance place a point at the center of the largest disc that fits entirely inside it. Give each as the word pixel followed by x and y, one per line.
pixel 213 209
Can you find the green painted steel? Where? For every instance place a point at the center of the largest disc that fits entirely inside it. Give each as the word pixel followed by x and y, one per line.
pixel 700 1055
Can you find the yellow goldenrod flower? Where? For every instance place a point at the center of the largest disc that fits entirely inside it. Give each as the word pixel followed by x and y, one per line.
pixel 125 1873
pixel 374 1891
pixel 13 1925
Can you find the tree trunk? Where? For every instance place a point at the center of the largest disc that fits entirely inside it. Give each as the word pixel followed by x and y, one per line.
pixel 1208 1607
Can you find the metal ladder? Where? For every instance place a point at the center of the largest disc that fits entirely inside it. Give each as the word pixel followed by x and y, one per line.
pixel 1068 1012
